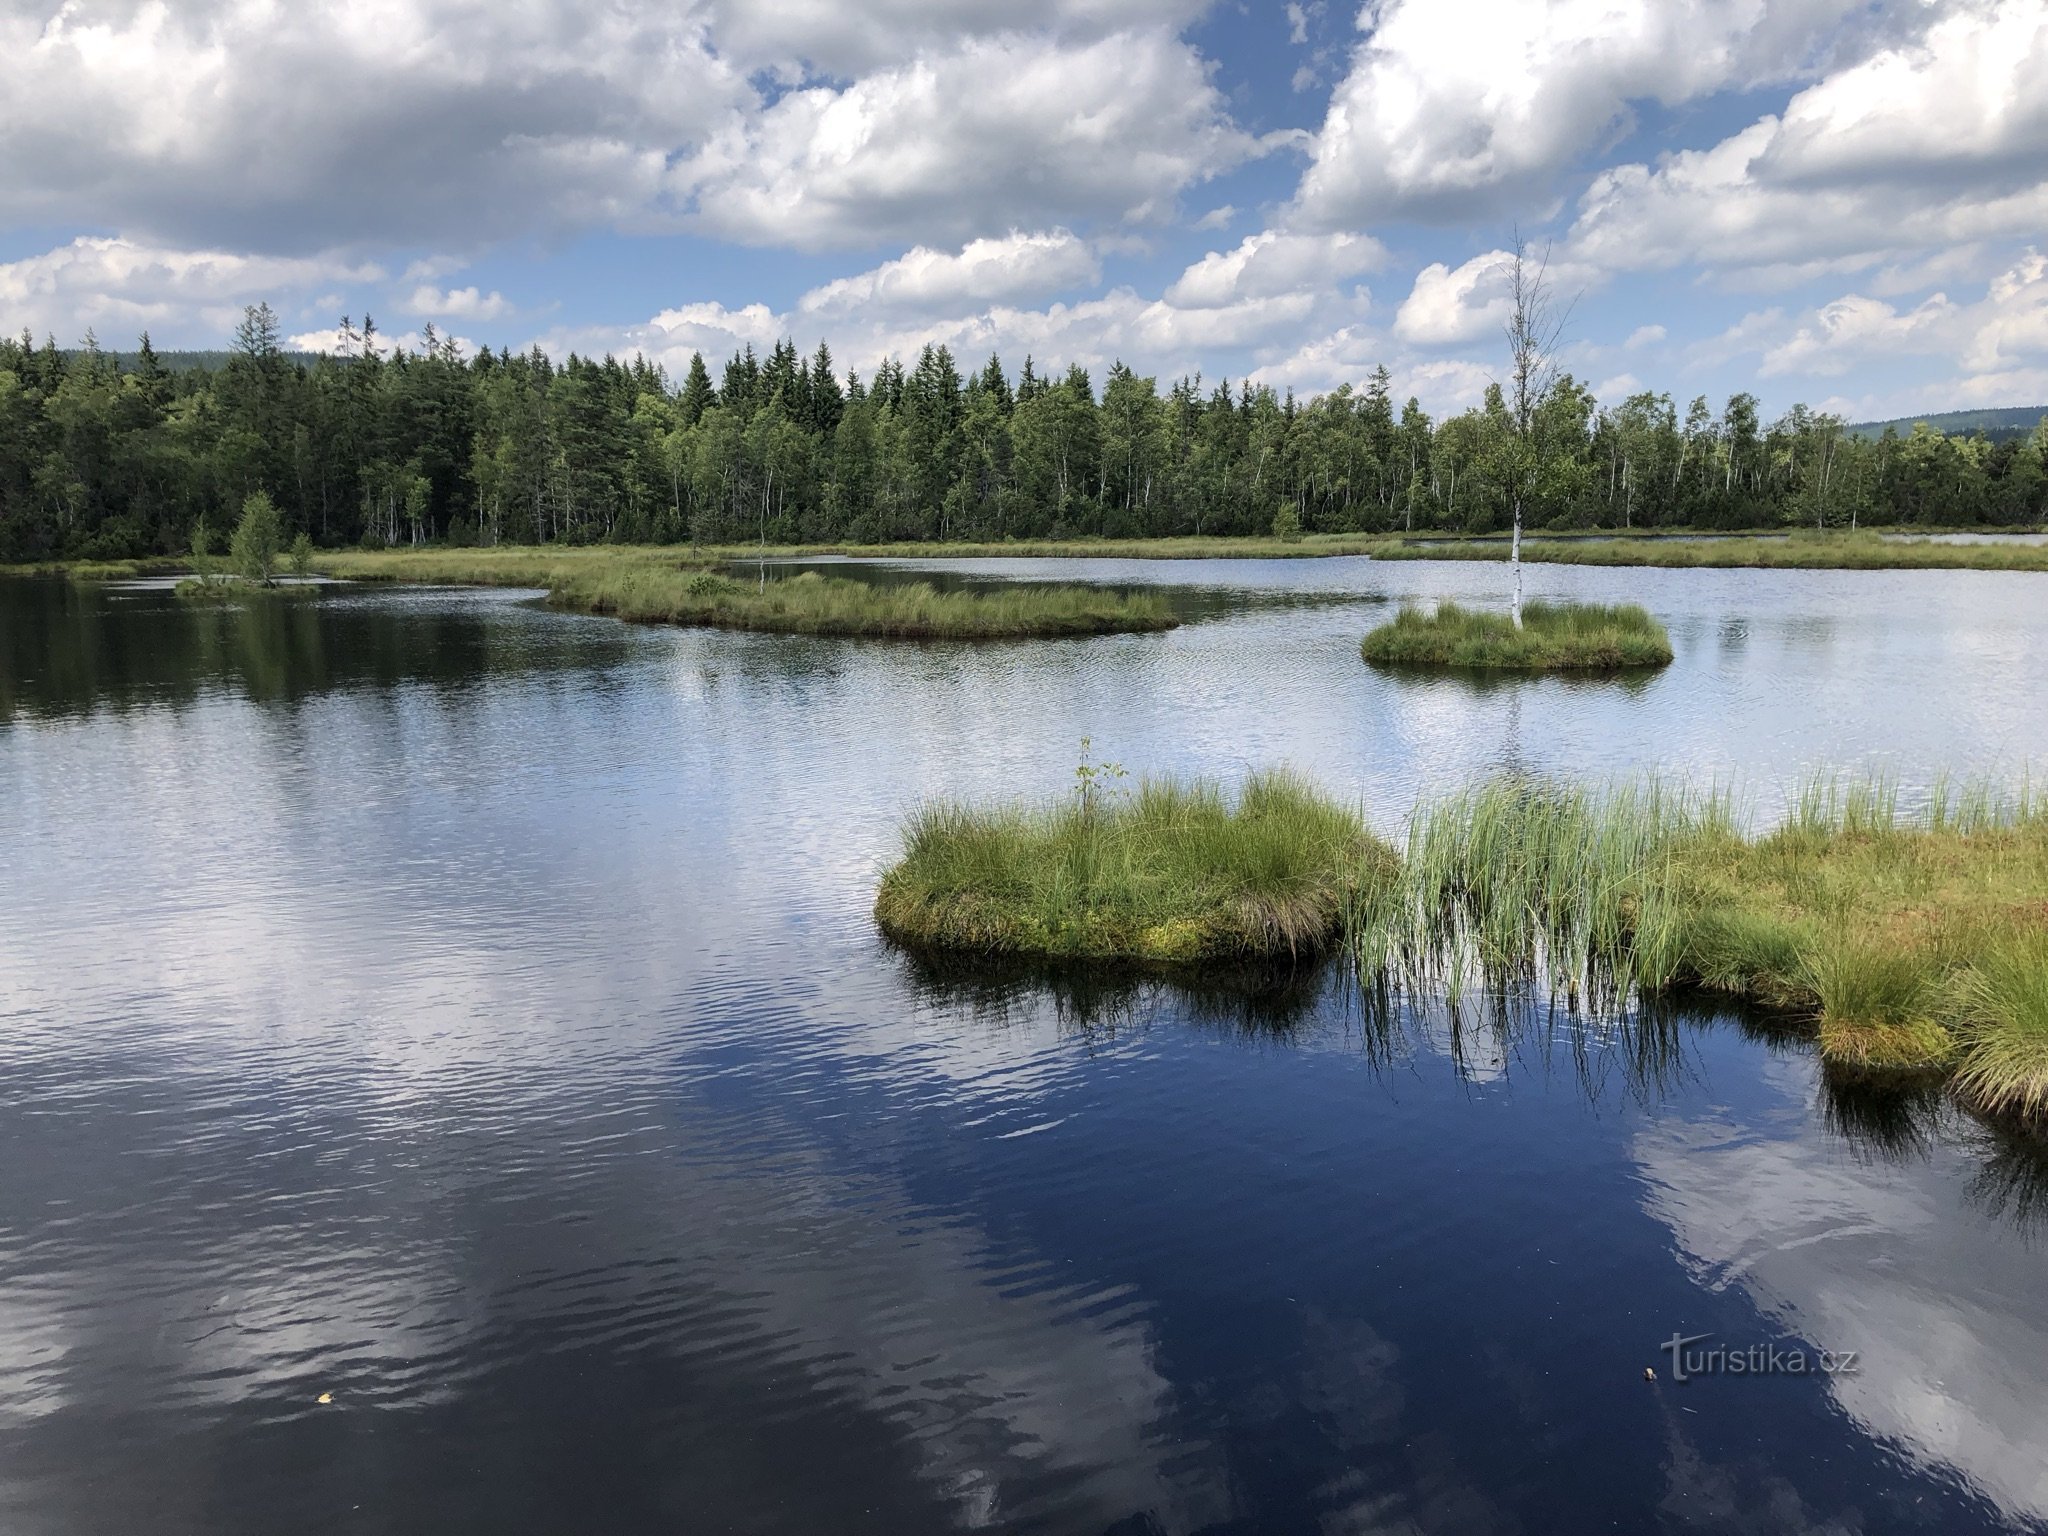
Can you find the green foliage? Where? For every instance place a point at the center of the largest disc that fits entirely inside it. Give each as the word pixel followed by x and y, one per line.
pixel 1171 872
pixel 254 548
pixel 104 457
pixel 1553 637
pixel 1287 523
pixel 301 556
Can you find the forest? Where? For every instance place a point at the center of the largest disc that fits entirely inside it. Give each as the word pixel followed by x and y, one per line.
pixel 104 458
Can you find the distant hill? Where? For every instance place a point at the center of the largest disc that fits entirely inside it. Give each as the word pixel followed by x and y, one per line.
pixel 176 362
pixel 1998 425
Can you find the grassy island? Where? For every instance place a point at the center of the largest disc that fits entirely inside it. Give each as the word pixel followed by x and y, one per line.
pixel 1169 872
pixel 237 589
pixel 1914 945
pixel 647 586
pixel 811 604
pixel 1554 637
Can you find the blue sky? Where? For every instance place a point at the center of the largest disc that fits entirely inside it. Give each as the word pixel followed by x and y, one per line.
pixel 1833 201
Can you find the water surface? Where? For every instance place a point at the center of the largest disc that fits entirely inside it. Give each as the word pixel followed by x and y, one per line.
pixel 471 1012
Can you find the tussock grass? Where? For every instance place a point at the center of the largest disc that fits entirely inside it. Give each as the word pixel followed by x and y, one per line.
pixel 655 586
pixel 2003 1030
pixel 1554 637
pixel 1170 872
pixel 1823 552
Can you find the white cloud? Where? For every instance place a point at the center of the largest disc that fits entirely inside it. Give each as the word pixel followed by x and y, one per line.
pixel 1998 342
pixel 1853 329
pixel 991 134
pixel 458 303
pixel 120 288
pixel 1931 145
pixel 1456 107
pixel 1645 336
pixel 1257 299
pixel 1451 305
pixel 317 125
pixel 1015 266
pixel 1271 263
pixel 840 39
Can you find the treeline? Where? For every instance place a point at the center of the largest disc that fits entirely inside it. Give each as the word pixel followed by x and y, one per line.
pixel 384 446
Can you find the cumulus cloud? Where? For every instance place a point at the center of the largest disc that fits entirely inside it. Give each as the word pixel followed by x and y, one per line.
pixel 1454 108
pixel 1016 266
pixel 1451 305
pixel 1272 262
pixel 1254 300
pixel 458 303
pixel 1938 143
pixel 2001 337
pixel 1005 131
pixel 120 288
pixel 835 38
pixel 322 124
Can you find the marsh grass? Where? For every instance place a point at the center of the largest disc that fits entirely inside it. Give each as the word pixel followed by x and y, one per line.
pixel 1826 552
pixel 812 604
pixel 1169 872
pixel 1909 942
pixel 2003 1030
pixel 1903 943
pixel 659 587
pixel 1553 637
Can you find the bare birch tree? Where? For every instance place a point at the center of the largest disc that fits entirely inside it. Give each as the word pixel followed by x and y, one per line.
pixel 1533 327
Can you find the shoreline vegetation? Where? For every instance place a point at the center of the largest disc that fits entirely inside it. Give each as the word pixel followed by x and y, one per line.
pixel 1914 945
pixel 653 587
pixel 428 442
pixel 1553 637
pixel 1864 549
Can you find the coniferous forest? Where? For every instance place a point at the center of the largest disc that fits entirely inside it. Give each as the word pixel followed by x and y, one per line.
pixel 106 457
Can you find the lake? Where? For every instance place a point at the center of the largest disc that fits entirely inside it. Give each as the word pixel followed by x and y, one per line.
pixel 470 1015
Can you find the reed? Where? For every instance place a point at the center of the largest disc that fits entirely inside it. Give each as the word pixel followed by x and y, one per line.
pixel 1173 871
pixel 1905 940
pixel 1553 637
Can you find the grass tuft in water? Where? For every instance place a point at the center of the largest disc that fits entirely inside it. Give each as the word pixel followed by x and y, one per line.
pixel 2003 1031
pixel 1173 871
pixel 1554 637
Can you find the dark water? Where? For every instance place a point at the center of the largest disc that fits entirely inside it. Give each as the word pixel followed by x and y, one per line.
pixel 471 1012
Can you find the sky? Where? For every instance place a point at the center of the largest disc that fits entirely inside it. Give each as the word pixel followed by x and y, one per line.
pixel 1839 203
